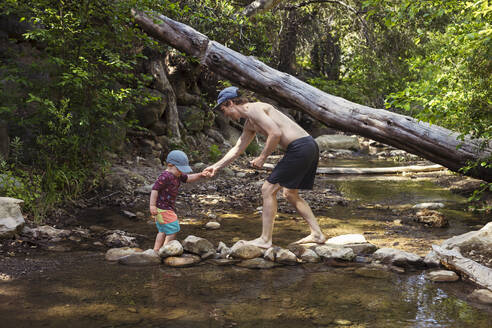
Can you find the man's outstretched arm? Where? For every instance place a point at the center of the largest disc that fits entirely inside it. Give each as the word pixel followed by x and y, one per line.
pixel 233 153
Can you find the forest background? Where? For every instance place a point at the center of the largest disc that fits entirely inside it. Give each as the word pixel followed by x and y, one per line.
pixel 76 75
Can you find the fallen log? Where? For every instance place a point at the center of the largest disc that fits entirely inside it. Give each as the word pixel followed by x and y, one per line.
pixel 452 259
pixel 435 143
pixel 373 170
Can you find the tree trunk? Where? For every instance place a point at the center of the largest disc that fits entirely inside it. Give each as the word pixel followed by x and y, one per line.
pixel 162 84
pixel 433 142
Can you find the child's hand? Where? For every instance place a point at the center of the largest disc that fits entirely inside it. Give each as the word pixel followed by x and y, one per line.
pixel 153 210
pixel 204 174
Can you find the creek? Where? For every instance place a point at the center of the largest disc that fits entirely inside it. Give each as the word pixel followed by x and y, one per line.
pixel 81 289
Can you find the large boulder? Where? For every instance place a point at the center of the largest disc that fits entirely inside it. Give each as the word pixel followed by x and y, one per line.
pixel 479 242
pixel 337 141
pixel 11 219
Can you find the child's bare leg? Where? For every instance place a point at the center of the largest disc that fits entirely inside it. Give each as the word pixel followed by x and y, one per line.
pixel 159 240
pixel 169 238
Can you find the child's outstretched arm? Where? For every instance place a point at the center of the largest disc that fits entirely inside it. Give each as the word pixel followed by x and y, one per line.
pixel 196 176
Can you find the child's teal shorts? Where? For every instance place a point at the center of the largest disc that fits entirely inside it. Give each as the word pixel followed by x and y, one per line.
pixel 166 222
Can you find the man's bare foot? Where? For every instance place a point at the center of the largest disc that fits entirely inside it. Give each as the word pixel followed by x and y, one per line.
pixel 259 242
pixel 318 239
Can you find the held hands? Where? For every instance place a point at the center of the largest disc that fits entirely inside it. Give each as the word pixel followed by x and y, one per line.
pixel 209 172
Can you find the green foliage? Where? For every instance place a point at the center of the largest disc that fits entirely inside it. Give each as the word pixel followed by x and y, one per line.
pixel 214 153
pixel 65 101
pixel 253 148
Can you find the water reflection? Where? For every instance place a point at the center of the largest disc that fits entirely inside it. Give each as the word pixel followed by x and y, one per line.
pixel 95 293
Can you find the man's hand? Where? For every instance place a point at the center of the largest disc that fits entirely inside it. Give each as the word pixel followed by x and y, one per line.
pixel 153 210
pixel 209 171
pixel 258 162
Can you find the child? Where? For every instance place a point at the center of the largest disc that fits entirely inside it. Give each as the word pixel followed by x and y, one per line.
pixel 163 196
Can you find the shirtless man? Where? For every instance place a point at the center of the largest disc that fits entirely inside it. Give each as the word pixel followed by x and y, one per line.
pixel 295 171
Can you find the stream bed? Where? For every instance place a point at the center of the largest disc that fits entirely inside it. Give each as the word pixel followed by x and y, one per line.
pixel 81 289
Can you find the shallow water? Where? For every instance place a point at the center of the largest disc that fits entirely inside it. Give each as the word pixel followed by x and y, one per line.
pixel 83 290
pixel 90 292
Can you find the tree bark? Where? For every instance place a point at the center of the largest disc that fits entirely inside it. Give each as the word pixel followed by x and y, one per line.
pixel 162 84
pixel 432 142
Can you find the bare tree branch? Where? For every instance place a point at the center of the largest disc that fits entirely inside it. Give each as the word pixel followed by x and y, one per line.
pixel 258 6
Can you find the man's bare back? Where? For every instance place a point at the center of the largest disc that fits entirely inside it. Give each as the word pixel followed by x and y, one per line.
pixel 289 130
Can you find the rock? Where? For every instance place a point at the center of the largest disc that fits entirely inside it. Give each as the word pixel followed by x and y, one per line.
pixel 173 248
pixel 223 250
pixel 337 141
pixel 310 256
pixel 482 295
pixel 197 245
pixel 256 263
pixel 363 248
pixel 398 257
pixel 347 239
pixel 11 219
pixel 47 231
pixel 479 241
pixel 222 262
pixel 270 254
pixel 428 206
pixel 241 174
pixel 183 261
pixel 298 250
pixel 129 214
pixel 114 254
pixel 285 256
pixel 431 218
pixel 241 251
pixel 198 167
pixel 432 260
pixel 208 255
pixel 118 238
pixel 335 252
pixel 215 135
pixel 442 276
pixel 148 257
pixel 212 225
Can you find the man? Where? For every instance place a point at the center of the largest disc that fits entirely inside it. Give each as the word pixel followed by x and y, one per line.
pixel 295 171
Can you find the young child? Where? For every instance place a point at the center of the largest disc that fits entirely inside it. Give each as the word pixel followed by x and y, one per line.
pixel 163 196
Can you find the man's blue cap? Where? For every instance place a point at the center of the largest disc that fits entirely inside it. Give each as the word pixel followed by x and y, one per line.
pixel 180 160
pixel 226 94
